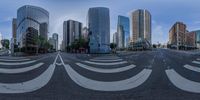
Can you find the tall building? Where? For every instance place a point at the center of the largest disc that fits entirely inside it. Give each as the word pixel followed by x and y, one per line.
pixel 32 22
pixel 14 33
pixel 85 33
pixel 115 38
pixel 14 30
pixel 71 31
pixel 0 40
pixel 197 39
pixel 177 35
pixel 99 30
pixel 55 37
pixel 141 26
pixel 52 41
pixel 123 32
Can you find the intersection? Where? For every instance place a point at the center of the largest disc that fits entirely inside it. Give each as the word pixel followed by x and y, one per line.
pixel 145 75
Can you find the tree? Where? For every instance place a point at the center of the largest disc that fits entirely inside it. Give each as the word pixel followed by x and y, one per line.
pixel 5 43
pixel 113 46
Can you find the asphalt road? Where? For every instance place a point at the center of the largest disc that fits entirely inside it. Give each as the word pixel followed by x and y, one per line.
pixel 160 74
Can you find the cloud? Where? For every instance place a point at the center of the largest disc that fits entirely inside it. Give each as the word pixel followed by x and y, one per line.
pixel 158 35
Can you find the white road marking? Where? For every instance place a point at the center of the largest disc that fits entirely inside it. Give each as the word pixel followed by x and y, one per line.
pixel 59 64
pixel 103 60
pixel 14 59
pixel 193 68
pixel 17 63
pixel 122 85
pixel 20 70
pixel 113 63
pixel 28 86
pixel 196 62
pixel 31 85
pixel 106 58
pixel 101 70
pixel 182 83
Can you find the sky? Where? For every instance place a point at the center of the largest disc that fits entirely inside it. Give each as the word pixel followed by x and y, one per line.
pixel 164 14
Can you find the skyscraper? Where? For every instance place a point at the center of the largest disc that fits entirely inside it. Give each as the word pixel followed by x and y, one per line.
pixel 85 33
pixel 123 33
pixel 55 37
pixel 32 22
pixel 115 38
pixel 99 30
pixel 141 26
pixel 71 31
pixel 197 40
pixel 14 30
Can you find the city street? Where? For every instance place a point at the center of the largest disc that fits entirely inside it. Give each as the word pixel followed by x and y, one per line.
pixel 160 74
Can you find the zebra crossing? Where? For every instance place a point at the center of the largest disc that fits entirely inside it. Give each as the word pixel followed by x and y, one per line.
pixel 182 82
pixel 10 66
pixel 120 85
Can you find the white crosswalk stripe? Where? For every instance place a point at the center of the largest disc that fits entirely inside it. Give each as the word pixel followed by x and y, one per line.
pixel 28 86
pixel 126 84
pixel 17 63
pixel 106 64
pixel 108 60
pixel 14 60
pixel 196 62
pixel 193 68
pixel 20 70
pixel 182 83
pixel 101 70
pixel 121 85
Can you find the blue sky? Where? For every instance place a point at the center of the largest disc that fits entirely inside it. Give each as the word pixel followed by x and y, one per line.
pixel 164 13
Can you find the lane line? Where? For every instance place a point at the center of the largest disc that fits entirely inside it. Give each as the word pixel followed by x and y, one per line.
pixel 196 62
pixel 101 70
pixel 122 85
pixel 182 83
pixel 103 60
pixel 113 63
pixel 28 86
pixel 20 70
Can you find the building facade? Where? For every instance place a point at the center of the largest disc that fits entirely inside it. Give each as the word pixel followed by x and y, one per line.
pixel 85 33
pixel 99 30
pixel 32 22
pixel 177 35
pixel 115 38
pixel 55 37
pixel 52 42
pixel 72 31
pixel 123 32
pixel 14 30
pixel 141 26
pixel 197 39
pixel 0 40
pixel 190 40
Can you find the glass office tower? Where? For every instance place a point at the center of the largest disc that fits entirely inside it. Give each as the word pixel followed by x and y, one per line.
pixel 99 30
pixel 197 39
pixel 123 33
pixel 32 21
